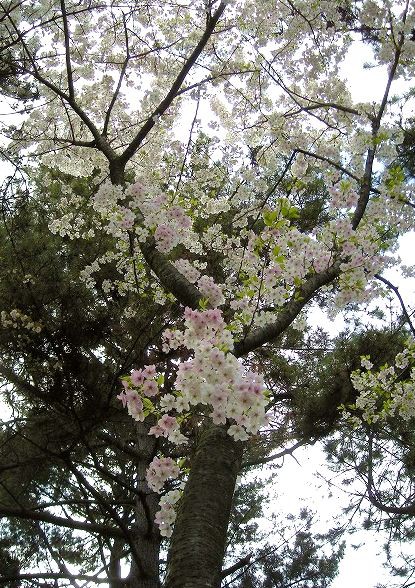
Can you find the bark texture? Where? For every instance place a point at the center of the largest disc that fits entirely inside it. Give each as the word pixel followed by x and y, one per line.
pixel 199 537
pixel 145 572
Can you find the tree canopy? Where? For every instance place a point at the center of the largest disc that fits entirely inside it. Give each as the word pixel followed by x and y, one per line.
pixel 186 182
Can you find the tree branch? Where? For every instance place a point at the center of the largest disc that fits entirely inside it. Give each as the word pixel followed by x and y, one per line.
pixel 398 295
pixel 58 576
pixel 237 566
pixel 170 278
pixel 288 451
pixel 112 512
pixel 119 445
pixel 172 93
pixel 289 312
pixel 20 513
pixel 120 79
pixel 372 494
pixel 69 74
pixel 366 184
pixel 335 164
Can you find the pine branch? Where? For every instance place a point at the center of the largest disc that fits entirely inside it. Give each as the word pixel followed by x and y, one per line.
pixel 21 513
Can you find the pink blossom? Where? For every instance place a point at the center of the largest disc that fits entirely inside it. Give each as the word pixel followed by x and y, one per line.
pixel 149 371
pixel 123 397
pixel 168 423
pixel 218 417
pixel 137 377
pixel 135 407
pixel 150 388
pixel 156 431
pixel 166 237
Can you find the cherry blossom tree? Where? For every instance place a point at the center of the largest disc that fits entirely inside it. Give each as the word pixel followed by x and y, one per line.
pixel 216 152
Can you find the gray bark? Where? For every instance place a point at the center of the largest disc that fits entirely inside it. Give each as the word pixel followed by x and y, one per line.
pixel 199 537
pixel 145 573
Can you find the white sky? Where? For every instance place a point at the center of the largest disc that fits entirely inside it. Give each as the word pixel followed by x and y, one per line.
pixel 299 487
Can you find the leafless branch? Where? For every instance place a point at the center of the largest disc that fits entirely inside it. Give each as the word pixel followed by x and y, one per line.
pixel 237 566
pixel 288 451
pixel 395 289
pixel 372 493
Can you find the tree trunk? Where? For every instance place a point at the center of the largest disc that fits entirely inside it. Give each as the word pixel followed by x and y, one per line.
pixel 145 573
pixel 199 538
pixel 115 563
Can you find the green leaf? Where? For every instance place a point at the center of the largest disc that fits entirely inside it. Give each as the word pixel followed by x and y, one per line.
pixel 345 185
pixel 203 303
pixel 148 405
pixel 270 217
pixel 396 177
pixel 380 138
pixel 293 213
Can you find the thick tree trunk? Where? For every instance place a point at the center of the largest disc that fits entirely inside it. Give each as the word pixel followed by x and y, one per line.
pixel 199 538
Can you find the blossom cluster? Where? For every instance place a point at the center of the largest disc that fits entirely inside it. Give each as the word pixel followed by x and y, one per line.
pixel 160 470
pixel 139 387
pixel 169 222
pixel 166 516
pixel 261 266
pixel 15 319
pixel 212 378
pixel 388 391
